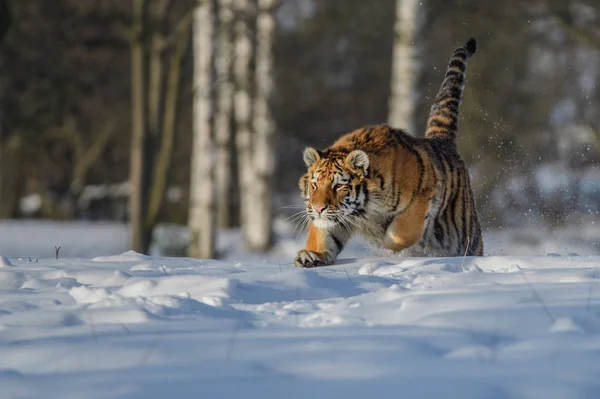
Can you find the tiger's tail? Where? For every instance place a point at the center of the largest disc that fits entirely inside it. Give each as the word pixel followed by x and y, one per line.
pixel 443 116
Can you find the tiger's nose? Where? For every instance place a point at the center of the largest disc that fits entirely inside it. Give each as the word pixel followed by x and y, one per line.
pixel 319 208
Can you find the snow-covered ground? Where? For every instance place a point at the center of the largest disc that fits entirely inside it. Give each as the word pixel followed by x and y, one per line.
pixel 95 325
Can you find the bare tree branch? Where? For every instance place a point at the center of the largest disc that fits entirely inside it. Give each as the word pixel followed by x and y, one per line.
pixel 182 26
pixel 163 6
pixel 89 157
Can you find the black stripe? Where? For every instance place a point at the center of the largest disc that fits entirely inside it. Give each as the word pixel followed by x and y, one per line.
pixel 403 139
pixel 476 233
pixel 451 104
pixel 451 164
pixel 467 210
pixel 453 208
pixel 446 168
pixel 337 243
pixel 453 74
pixel 451 199
pixel 421 174
pixel 458 63
pixel 453 82
pixel 469 227
pixel 475 243
pixel 439 123
pixel 454 91
pixel 446 112
pixel 437 133
pixel 450 88
pixel 460 53
pixel 436 152
pixel 448 201
pixel 438 231
pixel 395 198
pixel 421 170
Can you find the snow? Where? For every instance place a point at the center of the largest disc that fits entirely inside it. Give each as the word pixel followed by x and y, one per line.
pixel 39 239
pixel 106 323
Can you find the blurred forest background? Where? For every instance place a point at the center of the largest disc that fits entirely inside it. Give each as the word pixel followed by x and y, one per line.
pixel 125 109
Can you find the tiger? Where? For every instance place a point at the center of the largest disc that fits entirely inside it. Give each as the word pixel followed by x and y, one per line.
pixel 405 195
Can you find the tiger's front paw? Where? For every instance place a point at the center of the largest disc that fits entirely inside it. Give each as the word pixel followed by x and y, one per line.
pixel 310 259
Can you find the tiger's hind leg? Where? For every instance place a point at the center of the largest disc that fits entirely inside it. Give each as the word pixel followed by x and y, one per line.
pixel 406 229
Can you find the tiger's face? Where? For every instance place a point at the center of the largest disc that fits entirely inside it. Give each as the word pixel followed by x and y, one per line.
pixel 334 188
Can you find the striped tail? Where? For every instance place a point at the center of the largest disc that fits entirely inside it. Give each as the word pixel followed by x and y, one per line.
pixel 443 117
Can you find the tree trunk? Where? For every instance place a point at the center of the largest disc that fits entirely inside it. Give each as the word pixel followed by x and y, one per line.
pixel 154 111
pixel 158 18
pixel 163 158
pixel 5 22
pixel 201 220
pixel 243 132
pixel 138 173
pixel 260 219
pixel 12 184
pixel 5 18
pixel 85 158
pixel 405 66
pixel 224 176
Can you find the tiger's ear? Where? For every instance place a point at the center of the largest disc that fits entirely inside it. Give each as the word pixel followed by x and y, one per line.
pixel 311 156
pixel 358 160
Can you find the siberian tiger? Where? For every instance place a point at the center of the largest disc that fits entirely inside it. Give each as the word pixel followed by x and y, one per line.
pixel 401 193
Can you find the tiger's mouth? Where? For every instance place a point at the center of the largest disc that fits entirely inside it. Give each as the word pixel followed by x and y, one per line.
pixel 326 220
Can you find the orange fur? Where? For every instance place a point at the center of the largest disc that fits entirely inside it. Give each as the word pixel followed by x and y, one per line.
pixel 407 228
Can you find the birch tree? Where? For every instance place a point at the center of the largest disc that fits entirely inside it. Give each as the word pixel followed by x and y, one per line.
pixel 243 129
pixel 223 128
pixel 260 219
pixel 201 220
pixel 5 21
pixel 405 65
pixel 138 169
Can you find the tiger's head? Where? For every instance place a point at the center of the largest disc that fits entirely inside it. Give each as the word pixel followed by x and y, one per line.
pixel 334 188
